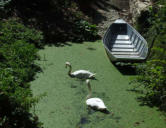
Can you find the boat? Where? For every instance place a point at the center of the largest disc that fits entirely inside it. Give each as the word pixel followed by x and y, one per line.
pixel 123 43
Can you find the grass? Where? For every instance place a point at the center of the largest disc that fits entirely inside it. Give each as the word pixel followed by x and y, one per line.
pixel 64 106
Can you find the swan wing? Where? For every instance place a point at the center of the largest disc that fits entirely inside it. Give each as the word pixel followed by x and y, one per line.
pixel 83 72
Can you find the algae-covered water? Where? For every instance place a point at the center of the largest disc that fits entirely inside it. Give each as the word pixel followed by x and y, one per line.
pixel 64 106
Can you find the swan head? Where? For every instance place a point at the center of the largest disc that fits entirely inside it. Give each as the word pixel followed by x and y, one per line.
pixel 67 63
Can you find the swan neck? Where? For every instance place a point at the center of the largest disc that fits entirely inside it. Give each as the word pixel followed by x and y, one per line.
pixel 90 91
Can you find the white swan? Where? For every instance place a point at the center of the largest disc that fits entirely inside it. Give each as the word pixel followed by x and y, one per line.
pixel 96 103
pixel 82 74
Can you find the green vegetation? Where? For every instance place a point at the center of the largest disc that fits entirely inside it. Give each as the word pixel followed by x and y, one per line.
pixel 59 20
pixel 17 68
pixel 64 106
pixel 12 30
pixel 88 31
pixel 153 72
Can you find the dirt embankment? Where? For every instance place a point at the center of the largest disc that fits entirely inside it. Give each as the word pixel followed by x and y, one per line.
pixel 104 12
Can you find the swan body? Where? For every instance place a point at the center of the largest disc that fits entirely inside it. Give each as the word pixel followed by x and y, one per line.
pixel 82 74
pixel 94 102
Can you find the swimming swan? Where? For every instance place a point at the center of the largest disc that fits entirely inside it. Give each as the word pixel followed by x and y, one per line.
pixel 96 103
pixel 82 74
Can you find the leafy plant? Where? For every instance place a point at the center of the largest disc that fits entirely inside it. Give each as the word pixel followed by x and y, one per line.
pixel 153 78
pixel 17 68
pixel 86 30
pixel 12 30
pixel 152 74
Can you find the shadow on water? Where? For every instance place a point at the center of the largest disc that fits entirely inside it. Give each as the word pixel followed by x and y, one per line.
pixel 144 101
pixel 151 101
pixel 107 114
pixel 91 49
pixel 116 118
pixel 73 86
pixel 142 98
pixel 60 44
pixel 125 68
pixel 84 79
pixel 83 120
pixel 136 91
pixel 92 110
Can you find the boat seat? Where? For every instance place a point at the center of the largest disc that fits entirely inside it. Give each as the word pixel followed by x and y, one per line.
pixel 123 42
pixel 129 56
pixel 123 50
pixel 122 46
pixel 125 53
pixel 122 37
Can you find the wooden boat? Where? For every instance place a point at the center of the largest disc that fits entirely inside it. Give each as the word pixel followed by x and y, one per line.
pixel 123 43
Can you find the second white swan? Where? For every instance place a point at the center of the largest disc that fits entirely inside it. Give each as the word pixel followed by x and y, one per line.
pixel 96 103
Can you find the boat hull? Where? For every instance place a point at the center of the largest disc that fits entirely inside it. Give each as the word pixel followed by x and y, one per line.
pixel 123 43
